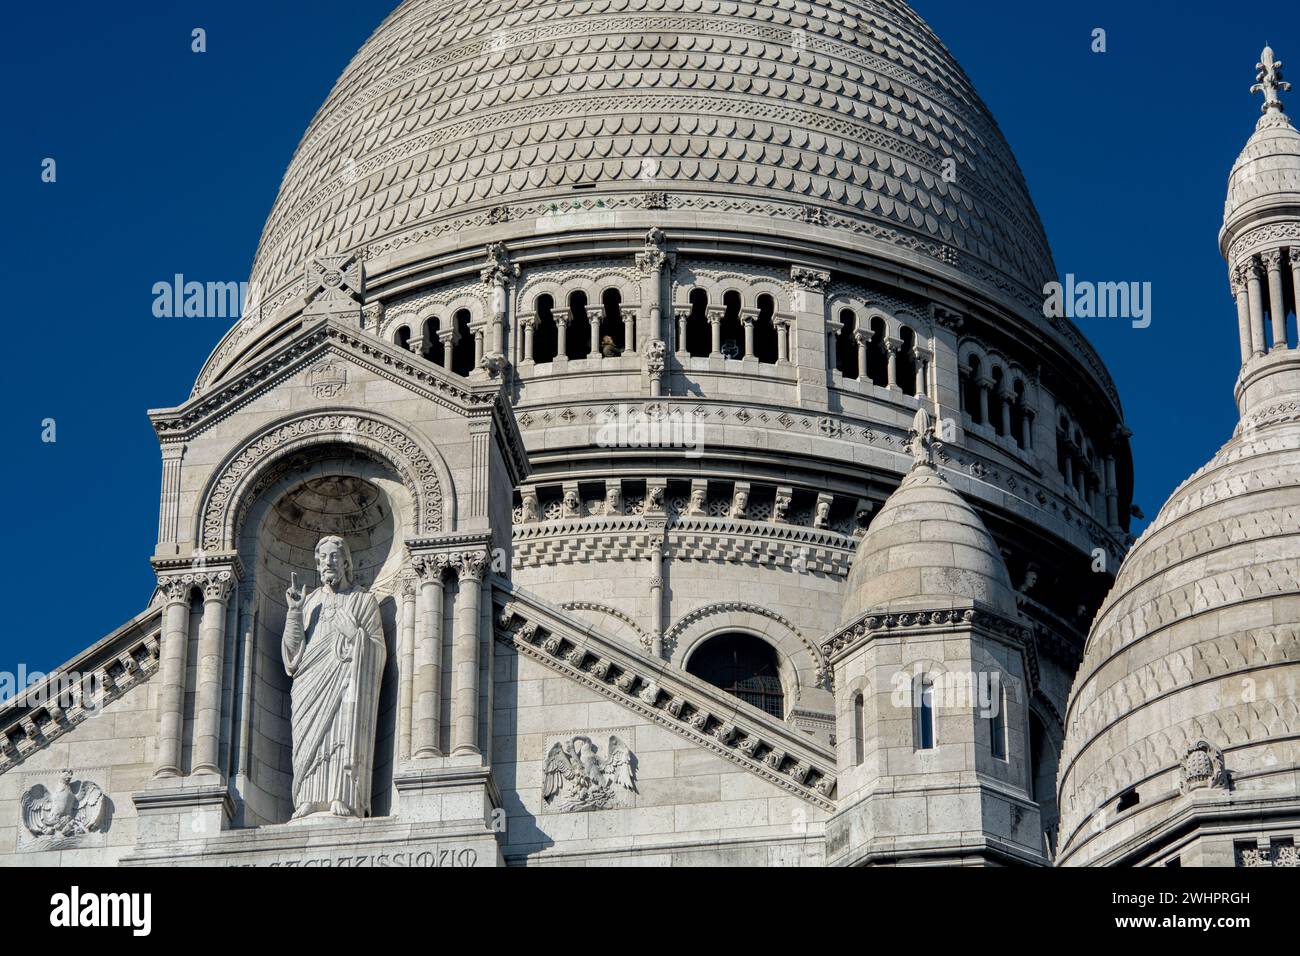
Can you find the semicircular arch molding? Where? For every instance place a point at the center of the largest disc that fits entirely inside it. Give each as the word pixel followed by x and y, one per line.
pixel 252 466
pixel 804 666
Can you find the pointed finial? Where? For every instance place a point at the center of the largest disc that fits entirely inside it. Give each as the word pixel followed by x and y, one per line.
pixel 1269 81
pixel 924 444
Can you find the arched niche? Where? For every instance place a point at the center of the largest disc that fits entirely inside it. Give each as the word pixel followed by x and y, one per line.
pixel 332 489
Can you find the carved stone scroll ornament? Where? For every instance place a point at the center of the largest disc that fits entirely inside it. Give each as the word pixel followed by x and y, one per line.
pixel 1203 768
pixel 577 777
pixel 64 811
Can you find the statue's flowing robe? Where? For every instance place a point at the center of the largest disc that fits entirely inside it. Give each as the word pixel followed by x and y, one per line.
pixel 335 654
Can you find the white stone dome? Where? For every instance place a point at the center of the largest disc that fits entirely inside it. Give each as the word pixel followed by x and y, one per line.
pixel 1199 639
pixel 452 108
pixel 1267 173
pixel 460 123
pixel 927 550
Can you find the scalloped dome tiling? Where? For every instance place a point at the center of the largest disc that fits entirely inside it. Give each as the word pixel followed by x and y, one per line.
pixel 455 109
pixel 1206 603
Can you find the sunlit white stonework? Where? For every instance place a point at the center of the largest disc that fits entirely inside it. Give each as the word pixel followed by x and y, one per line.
pixel 677 380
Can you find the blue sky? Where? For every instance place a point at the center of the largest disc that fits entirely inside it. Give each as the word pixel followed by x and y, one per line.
pixel 168 162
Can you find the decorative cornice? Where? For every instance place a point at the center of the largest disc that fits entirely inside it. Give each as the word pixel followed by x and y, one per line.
pixel 119 662
pixel 874 624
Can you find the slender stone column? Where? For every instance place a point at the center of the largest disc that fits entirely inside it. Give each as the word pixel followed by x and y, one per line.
pixel 922 359
pixel 593 320
pixel 715 333
pixel 1294 253
pixel 1069 470
pixel 861 339
pixel 217 586
pixel 985 385
pixel 748 321
pixel 561 334
pixel 171 694
pixel 406 665
pixel 683 316
pixel 1255 293
pixel 478 349
pixel 783 342
pixel 892 347
pixel 470 567
pixel 629 332
pixel 1027 429
pixel 1240 293
pixel 530 325
pixel 1007 399
pixel 651 263
pixel 448 340
pixel 657 588
pixel 426 694
pixel 1276 297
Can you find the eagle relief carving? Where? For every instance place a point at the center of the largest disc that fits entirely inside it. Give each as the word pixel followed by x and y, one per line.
pixel 576 776
pixel 64 811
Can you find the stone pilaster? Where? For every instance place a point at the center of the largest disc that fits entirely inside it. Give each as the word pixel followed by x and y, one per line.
pixel 809 346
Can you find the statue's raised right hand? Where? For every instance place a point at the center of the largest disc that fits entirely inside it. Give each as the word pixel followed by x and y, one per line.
pixel 295 595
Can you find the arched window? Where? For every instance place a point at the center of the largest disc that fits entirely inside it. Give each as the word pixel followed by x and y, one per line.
pixel 699 340
pixel 846 347
pixel 765 347
pixel 907 361
pixel 745 667
pixel 859 729
pixel 611 324
pixel 402 337
pixel 732 336
pixel 545 335
pixel 923 702
pixel 462 352
pixel 579 334
pixel 877 359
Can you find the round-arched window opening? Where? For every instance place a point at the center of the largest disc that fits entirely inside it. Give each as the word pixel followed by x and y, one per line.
pixel 744 667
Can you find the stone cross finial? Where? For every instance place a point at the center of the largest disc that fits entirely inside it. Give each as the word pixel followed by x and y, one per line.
pixel 1269 81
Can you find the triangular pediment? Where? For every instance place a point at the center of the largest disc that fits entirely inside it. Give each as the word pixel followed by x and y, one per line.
pixel 324 356
pixel 652 688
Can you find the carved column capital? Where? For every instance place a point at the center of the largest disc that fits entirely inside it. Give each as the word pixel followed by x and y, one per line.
pixel 470 565
pixel 1272 259
pixel 216 585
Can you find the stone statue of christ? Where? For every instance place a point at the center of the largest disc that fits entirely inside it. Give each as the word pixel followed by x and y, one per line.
pixel 334 650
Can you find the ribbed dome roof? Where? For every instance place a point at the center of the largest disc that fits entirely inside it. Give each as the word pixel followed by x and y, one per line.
pixel 1206 605
pixel 927 549
pixel 854 109
pixel 1268 170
